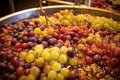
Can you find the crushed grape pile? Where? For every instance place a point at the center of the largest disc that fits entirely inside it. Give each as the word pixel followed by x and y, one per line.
pixel 71 47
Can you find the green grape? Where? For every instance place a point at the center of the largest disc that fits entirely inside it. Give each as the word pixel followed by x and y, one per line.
pixel 73 61
pixel 45 54
pixel 52 62
pixel 66 11
pixel 30 52
pixel 62 58
pixel 30 77
pixel 97 35
pixel 54 49
pixel 40 47
pixel 23 77
pixel 44 33
pixel 54 55
pixel 35 71
pixel 29 58
pixel 52 75
pixel 98 39
pixel 56 66
pixel 39 62
pixel 59 77
pixel 106 25
pixel 42 19
pixel 98 26
pixel 91 35
pixel 22 55
pixel 37 31
pixel 66 22
pixel 64 72
pixel 113 44
pixel 37 52
pixel 63 50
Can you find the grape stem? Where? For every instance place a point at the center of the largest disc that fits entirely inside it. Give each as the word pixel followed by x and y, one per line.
pixel 44 13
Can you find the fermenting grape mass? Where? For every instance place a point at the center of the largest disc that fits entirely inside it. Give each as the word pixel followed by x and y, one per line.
pixel 70 47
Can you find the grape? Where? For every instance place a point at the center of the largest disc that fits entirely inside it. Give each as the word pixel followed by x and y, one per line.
pixel 44 78
pixel 22 55
pixel 54 49
pixel 29 58
pixel 52 75
pixel 40 47
pixel 23 77
pixel 54 55
pixel 47 68
pixel 88 60
pixel 64 72
pixel 56 66
pixel 66 22
pixel 52 62
pixel 71 53
pixel 37 31
pixel 50 30
pixel 42 19
pixel 30 77
pixel 45 54
pixel 63 50
pixel 37 52
pixel 30 52
pixel 73 61
pixel 62 58
pixel 10 68
pixel 35 71
pixel 39 62
pixel 59 77
pixel 10 77
pixel 52 41
pixel 19 71
pixel 80 46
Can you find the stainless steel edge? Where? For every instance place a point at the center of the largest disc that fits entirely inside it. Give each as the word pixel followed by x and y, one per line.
pixel 33 12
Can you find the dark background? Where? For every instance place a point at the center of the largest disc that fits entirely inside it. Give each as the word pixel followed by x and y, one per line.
pixel 5 7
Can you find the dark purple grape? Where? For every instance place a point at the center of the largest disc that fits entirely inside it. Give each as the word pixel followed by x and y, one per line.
pixel 15 61
pixel 26 22
pixel 37 22
pixel 39 40
pixel 46 38
pixel 71 53
pixel 2 66
pixel 3 55
pixel 14 41
pixel 97 57
pixel 25 39
pixel 75 39
pixel 10 68
pixel 45 44
pixel 33 39
pixel 30 45
pixel 114 62
pixel 52 41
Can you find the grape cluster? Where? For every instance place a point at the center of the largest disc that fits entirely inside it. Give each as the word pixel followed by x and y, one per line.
pixel 71 47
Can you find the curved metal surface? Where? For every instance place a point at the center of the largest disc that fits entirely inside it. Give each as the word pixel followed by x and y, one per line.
pixel 33 12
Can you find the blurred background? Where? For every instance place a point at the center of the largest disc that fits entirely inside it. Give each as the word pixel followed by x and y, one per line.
pixel 10 6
